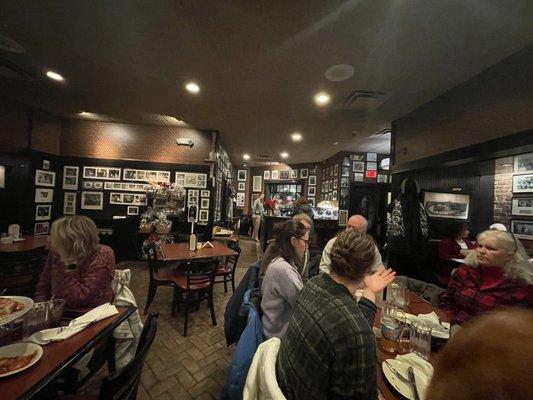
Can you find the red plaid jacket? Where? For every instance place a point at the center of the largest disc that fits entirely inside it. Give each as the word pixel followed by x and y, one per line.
pixel 472 291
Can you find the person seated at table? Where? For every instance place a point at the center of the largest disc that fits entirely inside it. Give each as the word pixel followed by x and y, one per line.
pixel 78 269
pixel 301 206
pixel 456 245
pixel 329 349
pixel 487 359
pixel 282 281
pixel 498 273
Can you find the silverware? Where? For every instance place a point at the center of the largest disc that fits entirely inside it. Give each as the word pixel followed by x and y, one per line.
pixel 397 374
pixel 412 382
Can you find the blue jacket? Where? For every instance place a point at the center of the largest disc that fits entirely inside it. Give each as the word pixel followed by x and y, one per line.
pixel 251 338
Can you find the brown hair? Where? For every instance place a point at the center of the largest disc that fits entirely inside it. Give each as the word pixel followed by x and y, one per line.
pixel 353 254
pixel 301 201
pixel 489 358
pixel 284 232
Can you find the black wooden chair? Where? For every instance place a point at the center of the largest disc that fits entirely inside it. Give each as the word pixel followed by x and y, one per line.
pixel 19 271
pixel 195 286
pixel 227 270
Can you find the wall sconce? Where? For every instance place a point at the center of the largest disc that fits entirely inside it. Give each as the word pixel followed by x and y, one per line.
pixel 184 142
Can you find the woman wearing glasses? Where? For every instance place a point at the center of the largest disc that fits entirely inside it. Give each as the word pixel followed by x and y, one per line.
pixel 498 273
pixel 282 281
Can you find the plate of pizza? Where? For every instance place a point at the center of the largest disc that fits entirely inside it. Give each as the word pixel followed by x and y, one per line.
pixel 13 307
pixel 17 357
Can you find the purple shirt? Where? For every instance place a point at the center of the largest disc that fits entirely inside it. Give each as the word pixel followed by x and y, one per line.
pixel 87 285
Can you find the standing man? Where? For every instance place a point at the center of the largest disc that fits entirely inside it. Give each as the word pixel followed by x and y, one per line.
pixel 257 213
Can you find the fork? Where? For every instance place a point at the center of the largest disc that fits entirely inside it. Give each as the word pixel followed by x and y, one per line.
pixel 397 374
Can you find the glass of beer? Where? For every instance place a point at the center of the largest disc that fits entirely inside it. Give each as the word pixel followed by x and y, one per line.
pixel 390 326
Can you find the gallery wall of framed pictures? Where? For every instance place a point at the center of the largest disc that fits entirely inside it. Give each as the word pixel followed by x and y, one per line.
pixel 522 200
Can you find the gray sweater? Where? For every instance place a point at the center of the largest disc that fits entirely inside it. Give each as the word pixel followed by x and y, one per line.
pixel 281 284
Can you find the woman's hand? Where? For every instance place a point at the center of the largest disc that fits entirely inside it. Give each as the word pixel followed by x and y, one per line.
pixel 379 280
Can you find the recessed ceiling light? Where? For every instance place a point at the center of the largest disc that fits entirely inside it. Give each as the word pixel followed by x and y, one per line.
pixel 192 87
pixel 284 154
pixel 55 76
pixel 339 72
pixel 322 98
pixel 335 143
pixel 296 136
pixel 246 156
pixel 506 165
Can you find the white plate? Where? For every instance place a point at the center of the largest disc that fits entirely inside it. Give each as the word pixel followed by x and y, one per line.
pixel 28 304
pixel 20 349
pixel 403 388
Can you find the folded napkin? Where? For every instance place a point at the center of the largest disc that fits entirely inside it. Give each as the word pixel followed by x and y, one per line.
pixel 417 363
pixel 75 326
pixel 438 329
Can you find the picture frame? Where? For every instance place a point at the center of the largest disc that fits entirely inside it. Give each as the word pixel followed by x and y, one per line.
pixel 102 173
pixel 41 228
pixel 294 174
pixel 192 213
pixel 92 200
pixel 43 212
pixel 345 162
pixel 312 171
pixel 69 203
pixel 304 173
pixel 311 191
pixel 98 185
pixel 131 199
pixel 447 205
pixel 191 179
pixel 523 163
pixel 357 157
pixel 70 177
pixel 284 175
pixel 241 175
pixel 45 178
pixel 311 201
pixel 240 199
pixel 345 171
pixel 371 166
pixel 522 229
pixel 312 180
pixel 125 186
pixel 358 166
pixel 382 178
pixel 275 174
pixel 44 195
pixel 371 157
pixel 2 177
pixel 523 183
pixel 87 185
pixel 336 170
pixel 257 183
pixel 133 210
pixel 323 187
pixel 343 218
pixel 266 175
pixel 204 203
pixel 345 182
pixel 358 177
pixel 145 175
pixel 522 206
pixel 205 193
pixel 334 195
pixel 241 186
pixel 335 184
pixel 46 164
pixel 203 216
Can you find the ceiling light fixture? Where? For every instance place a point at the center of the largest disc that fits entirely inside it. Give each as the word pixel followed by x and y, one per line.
pixel 322 98
pixel 296 137
pixel 284 154
pixel 246 156
pixel 192 87
pixel 335 143
pixel 506 165
pixel 55 76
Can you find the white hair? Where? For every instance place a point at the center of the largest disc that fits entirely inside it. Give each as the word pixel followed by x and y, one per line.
pixel 518 267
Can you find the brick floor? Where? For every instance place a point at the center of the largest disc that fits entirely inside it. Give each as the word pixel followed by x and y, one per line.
pixel 193 367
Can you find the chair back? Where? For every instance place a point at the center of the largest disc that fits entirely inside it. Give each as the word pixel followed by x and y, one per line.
pixel 233 260
pixel 201 272
pixel 123 385
pixel 19 271
pixel 151 252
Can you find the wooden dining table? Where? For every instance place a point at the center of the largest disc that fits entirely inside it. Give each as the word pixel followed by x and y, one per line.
pixel 29 243
pixel 58 357
pixel 181 252
pixel 416 306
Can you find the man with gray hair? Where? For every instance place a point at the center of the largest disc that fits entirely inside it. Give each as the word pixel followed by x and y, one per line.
pixel 359 223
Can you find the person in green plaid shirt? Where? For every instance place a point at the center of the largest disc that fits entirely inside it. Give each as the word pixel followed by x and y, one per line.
pixel 329 349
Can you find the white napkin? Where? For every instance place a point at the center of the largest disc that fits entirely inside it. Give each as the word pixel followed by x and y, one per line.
pixel 76 325
pixel 417 363
pixel 432 319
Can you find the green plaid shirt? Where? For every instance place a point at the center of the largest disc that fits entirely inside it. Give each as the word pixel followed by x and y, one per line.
pixel 329 349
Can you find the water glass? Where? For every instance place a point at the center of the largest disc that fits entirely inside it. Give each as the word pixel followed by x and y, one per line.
pixel 404 337
pixel 399 294
pixel 390 326
pixel 421 339
pixel 55 311
pixel 35 320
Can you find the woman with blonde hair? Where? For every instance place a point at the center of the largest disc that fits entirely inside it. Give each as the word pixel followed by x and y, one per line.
pixel 78 269
pixel 498 273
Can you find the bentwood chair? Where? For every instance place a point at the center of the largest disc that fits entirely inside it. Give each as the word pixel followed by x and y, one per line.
pixel 19 271
pixel 194 287
pixel 227 270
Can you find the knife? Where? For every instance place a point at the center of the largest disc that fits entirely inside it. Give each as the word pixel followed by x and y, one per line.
pixel 412 381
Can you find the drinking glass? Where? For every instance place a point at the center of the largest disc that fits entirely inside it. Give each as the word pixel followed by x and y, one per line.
pixel 404 337
pixel 35 320
pixel 389 326
pixel 399 293
pixel 55 311
pixel 421 339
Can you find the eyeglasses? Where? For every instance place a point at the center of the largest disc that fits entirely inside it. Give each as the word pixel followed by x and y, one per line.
pixel 305 240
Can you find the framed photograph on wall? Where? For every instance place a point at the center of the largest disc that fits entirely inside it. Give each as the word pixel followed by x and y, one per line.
pixel 358 166
pixel 312 180
pixel 70 177
pixel 304 173
pixel 336 170
pixel 240 199
pixel 44 195
pixel 204 193
pixel 284 175
pixel 294 174
pixel 69 203
pixel 92 200
pixel 257 183
pixel 241 175
pixel 522 206
pixel 43 212
pixel 266 175
pixel 447 205
pixel 334 195
pixel 311 191
pixel 371 157
pixel 93 172
pixel 98 185
pixel 383 178
pixel 371 166
pixel 204 203
pixel 335 184
pixel 523 163
pixel 312 171
pixel 41 228
pixel 523 183
pixel 203 216
pixel 522 229
pixel 275 174
pixel 345 182
pixel 343 217
pixel 241 186
pixel 311 201
pixel 345 171
pixel 133 210
pixel 45 178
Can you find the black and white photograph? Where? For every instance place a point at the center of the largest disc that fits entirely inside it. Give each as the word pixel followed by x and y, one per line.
pixel 371 157
pixel 134 199
pixel 133 210
pixel 312 171
pixel 311 191
pixel 343 217
pixel 44 195
pixel 266 175
pixel 191 180
pixel 358 166
pixel 522 229
pixel 323 187
pixel 204 193
pixel 312 180
pixel 523 163
pixel 203 216
pixel 98 185
pixel 383 178
pixel 336 170
pixel 92 200
pixel 345 182
pixel 311 201
pixel 43 212
pixel 46 164
pixel 45 178
pixel 345 162
pixel 357 157
pixel 71 170
pixel 257 183
pixel 204 203
pixel 275 174
pixel 102 173
pixel 192 200
pixel 69 203
pixel 241 186
pixel 240 200
pixel 371 166
pixel 447 205
pixel 125 186
pixel 334 195
pixel 2 176
pixel 523 183
pixel 193 193
pixel 345 171
pixel 283 175
pixel 41 228
pixel 87 185
pixel 522 206
pixel 304 173
pixel 241 175
pixel 143 175
pixel 294 174
pixel 335 184
pixel 70 178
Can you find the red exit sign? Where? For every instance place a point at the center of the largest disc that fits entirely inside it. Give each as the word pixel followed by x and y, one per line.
pixel 372 174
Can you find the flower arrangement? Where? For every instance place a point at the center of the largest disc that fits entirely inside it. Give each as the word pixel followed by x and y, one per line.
pixel 270 204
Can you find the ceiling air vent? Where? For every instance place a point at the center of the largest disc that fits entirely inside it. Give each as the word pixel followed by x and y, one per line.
pixel 263 157
pixel 12 71
pixel 9 44
pixel 364 100
pixel 382 134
